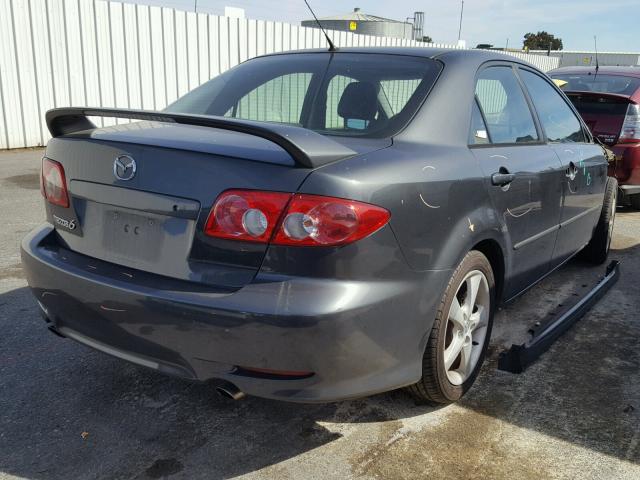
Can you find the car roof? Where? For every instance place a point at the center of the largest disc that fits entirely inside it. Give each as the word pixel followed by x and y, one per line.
pixel 628 71
pixel 444 54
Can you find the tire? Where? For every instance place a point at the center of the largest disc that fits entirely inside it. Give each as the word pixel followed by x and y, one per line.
pixel 597 250
pixel 443 385
pixel 634 201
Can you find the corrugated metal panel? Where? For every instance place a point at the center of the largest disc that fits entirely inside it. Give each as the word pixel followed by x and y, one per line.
pixel 56 53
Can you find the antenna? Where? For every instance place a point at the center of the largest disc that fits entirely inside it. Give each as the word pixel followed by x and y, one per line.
pixel 595 43
pixel 332 47
pixel 460 29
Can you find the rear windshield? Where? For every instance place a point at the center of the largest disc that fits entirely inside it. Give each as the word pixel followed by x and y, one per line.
pixel 351 94
pixel 618 84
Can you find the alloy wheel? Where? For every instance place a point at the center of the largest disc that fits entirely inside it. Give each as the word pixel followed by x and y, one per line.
pixel 467 324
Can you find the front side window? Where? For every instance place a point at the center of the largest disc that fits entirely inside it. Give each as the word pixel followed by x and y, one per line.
pixel 505 107
pixel 559 122
pixel 350 94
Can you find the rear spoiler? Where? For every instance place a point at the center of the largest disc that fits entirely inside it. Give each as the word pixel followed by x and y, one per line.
pixel 308 148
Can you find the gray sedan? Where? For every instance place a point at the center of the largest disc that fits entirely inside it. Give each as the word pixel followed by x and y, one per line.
pixel 314 226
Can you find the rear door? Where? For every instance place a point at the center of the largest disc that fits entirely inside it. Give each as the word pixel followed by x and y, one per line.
pixel 522 174
pixel 583 163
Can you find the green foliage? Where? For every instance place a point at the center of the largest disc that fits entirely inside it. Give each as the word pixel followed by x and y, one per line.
pixel 541 41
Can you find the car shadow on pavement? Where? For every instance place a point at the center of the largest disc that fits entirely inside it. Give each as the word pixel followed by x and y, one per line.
pixel 69 412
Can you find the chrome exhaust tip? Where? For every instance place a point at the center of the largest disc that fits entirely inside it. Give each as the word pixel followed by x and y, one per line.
pixel 229 390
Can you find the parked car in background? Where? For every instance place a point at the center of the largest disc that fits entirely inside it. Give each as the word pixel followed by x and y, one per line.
pixel 608 98
pixel 313 226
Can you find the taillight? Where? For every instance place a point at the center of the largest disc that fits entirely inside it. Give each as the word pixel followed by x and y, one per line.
pixel 630 132
pixel 53 183
pixel 286 219
pixel 246 215
pixel 314 220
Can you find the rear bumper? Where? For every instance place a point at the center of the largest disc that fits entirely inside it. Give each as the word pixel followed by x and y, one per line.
pixel 357 337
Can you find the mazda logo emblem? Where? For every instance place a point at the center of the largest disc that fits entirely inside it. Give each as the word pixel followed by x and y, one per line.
pixel 124 167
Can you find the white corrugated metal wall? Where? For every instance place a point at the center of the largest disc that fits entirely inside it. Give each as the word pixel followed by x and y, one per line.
pixel 56 53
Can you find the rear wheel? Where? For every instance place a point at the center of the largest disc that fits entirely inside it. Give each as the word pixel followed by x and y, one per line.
pixel 597 249
pixel 460 335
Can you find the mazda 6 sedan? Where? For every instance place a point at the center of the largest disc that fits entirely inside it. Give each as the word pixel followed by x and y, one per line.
pixel 314 226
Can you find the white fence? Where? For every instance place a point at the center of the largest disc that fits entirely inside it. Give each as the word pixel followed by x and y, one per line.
pixel 543 63
pixel 56 53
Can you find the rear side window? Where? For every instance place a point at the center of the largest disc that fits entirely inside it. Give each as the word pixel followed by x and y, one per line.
pixel 504 106
pixel 558 120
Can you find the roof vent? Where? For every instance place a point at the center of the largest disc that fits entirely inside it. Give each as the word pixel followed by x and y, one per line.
pixel 357 9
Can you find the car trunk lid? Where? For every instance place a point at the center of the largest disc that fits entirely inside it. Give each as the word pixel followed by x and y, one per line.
pixel 154 221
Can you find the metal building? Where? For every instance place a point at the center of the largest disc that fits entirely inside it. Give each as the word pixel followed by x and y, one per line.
pixel 358 22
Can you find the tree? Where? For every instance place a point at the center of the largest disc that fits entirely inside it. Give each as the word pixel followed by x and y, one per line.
pixel 541 41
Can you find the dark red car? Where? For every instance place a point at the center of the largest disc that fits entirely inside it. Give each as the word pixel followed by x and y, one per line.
pixel 609 101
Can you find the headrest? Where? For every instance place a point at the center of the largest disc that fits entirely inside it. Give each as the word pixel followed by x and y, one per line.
pixel 359 101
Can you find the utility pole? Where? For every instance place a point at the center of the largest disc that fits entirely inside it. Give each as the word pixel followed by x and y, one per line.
pixel 460 29
pixel 195 5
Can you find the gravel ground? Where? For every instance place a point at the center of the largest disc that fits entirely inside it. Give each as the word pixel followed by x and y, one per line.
pixel 69 412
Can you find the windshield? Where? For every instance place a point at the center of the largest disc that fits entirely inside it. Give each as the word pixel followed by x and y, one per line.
pixel 587 82
pixel 352 94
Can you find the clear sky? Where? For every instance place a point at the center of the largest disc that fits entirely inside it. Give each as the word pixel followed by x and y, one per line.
pixel 615 22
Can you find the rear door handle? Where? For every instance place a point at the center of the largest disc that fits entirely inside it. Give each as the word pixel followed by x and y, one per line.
pixel 502 178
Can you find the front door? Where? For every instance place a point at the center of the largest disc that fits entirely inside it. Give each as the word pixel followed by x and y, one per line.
pixel 584 168
pixel 522 175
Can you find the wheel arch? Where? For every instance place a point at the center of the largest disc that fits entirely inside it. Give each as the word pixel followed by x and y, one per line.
pixel 491 249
